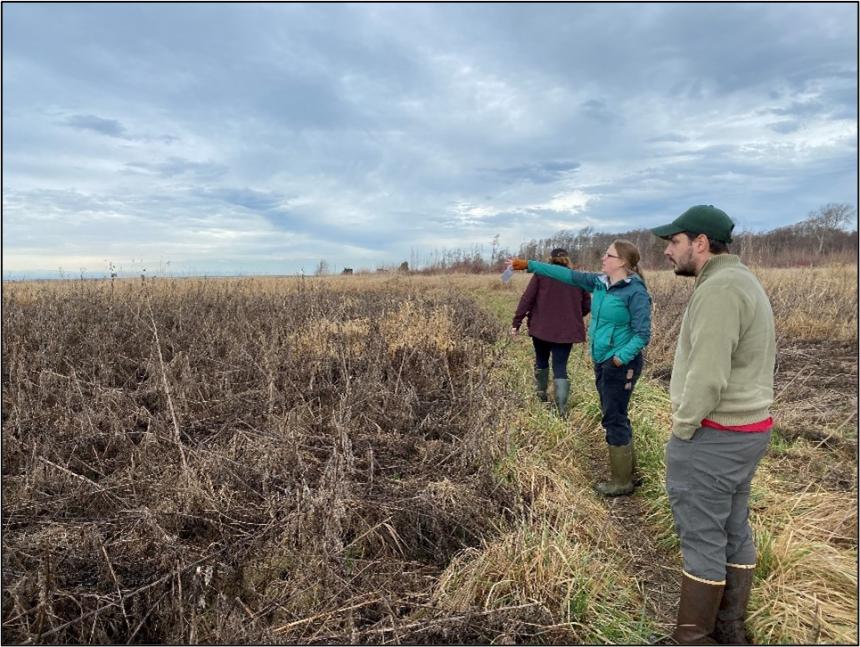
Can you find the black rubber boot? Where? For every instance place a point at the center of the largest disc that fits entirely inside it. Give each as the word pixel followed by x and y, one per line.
pixel 541 382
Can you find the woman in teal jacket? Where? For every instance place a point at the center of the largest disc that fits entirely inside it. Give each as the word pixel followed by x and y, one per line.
pixel 620 328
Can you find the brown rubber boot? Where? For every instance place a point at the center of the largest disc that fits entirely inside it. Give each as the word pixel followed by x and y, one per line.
pixel 697 612
pixel 621 467
pixel 729 628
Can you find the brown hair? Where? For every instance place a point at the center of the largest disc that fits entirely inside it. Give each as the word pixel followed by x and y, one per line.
pixel 629 253
pixel 714 246
pixel 559 256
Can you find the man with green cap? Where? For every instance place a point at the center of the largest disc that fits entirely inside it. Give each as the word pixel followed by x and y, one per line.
pixel 721 390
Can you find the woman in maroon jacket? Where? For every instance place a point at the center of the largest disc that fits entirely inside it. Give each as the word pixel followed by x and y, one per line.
pixel 555 311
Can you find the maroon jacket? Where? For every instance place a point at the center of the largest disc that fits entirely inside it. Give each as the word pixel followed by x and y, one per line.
pixel 555 310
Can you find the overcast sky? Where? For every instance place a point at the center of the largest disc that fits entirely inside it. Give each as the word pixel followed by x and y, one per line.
pixel 261 138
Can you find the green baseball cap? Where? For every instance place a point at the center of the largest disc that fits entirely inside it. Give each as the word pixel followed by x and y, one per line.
pixel 701 219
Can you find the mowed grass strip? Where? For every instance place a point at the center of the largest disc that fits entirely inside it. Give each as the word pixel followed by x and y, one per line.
pixel 806 583
pixel 561 552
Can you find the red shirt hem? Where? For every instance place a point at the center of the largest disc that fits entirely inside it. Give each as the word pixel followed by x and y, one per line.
pixel 761 425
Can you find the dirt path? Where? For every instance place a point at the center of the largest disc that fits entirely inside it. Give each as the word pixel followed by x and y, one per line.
pixel 805 407
pixel 656 571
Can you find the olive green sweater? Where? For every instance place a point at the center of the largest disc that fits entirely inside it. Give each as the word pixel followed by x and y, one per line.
pixel 723 368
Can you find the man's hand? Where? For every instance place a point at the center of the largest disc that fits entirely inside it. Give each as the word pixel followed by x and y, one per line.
pixel 519 264
pixel 616 362
pixel 514 331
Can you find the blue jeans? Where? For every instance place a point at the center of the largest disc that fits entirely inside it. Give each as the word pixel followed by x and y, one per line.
pixel 615 385
pixel 560 353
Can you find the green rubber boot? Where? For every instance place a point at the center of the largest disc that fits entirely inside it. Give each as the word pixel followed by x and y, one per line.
pixel 562 392
pixel 621 467
pixel 541 382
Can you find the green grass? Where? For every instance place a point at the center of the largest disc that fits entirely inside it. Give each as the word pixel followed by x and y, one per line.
pixel 562 551
pixel 779 444
pixel 796 563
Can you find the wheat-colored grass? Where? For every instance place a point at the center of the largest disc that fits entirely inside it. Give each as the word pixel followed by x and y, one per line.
pixel 555 569
pixel 561 552
pixel 809 304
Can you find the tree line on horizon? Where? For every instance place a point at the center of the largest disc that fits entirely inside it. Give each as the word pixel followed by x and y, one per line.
pixel 827 235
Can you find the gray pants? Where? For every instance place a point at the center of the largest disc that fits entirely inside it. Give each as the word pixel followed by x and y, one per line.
pixel 708 482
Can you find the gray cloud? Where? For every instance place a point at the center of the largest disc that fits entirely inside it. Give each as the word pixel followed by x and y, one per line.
pixel 538 173
pixel 258 136
pixel 597 110
pixel 109 127
pixel 248 198
pixel 787 126
pixel 668 138
pixel 178 166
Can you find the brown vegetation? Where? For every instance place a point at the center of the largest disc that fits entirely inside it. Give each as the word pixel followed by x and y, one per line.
pixel 225 462
pixel 815 311
pixel 357 459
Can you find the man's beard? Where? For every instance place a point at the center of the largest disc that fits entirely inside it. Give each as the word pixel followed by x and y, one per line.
pixel 685 270
pixel 685 267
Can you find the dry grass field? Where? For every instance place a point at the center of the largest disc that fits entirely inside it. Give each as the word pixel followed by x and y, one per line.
pixel 359 460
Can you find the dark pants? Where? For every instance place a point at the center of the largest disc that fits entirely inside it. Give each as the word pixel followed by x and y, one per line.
pixel 559 352
pixel 615 385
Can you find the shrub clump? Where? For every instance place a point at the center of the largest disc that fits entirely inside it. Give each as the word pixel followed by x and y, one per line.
pixel 205 462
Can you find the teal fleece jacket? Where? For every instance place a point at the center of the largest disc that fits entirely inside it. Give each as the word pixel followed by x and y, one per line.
pixel 620 313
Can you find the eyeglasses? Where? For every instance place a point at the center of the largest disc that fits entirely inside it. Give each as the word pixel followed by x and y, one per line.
pixel 608 255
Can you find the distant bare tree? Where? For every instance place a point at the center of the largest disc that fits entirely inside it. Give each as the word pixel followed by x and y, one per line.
pixel 494 249
pixel 825 236
pixel 822 222
pixel 322 268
